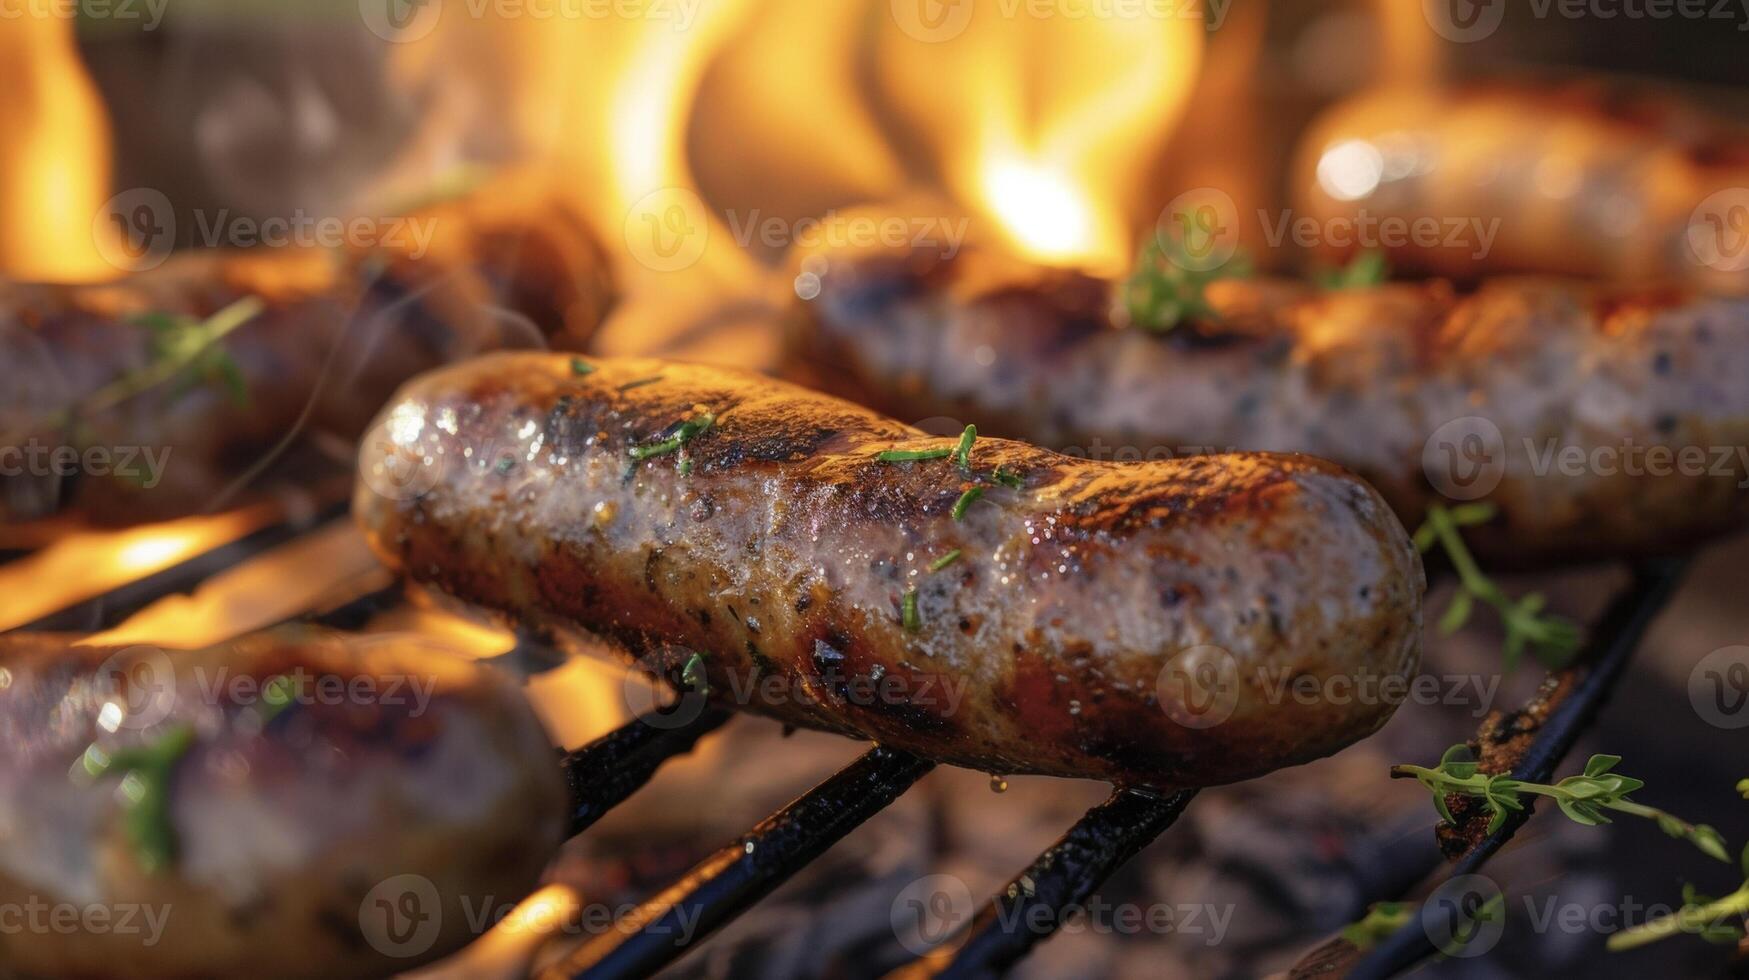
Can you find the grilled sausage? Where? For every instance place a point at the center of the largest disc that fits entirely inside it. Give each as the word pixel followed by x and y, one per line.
pixel 1602 422
pixel 338 334
pixel 1125 622
pixel 280 786
pixel 1573 180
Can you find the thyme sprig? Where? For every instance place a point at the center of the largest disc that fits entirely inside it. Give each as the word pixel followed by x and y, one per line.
pixel 1584 798
pixel 1167 287
pixel 1551 639
pixel 182 350
pixel 1716 920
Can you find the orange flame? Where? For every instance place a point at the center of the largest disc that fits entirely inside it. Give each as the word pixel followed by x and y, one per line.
pixel 82 565
pixel 1043 122
pixel 54 173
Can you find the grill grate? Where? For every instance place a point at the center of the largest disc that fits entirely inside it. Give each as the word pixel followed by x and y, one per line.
pixel 607 771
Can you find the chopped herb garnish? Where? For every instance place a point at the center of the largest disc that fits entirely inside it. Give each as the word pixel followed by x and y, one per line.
pixel 681 436
pixel 913 455
pixel 145 792
pixel 966 500
pixel 1551 639
pixel 692 675
pixel 1365 270
pixel 686 466
pixel 1382 919
pixel 945 560
pixel 1009 480
pixel 963 454
pixel 1167 287
pixel 908 611
pixel 629 385
pixel 278 694
pixel 580 367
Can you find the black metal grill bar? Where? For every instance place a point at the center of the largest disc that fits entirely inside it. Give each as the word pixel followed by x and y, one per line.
pixel 1033 905
pixel 730 881
pixel 606 771
pixel 104 611
pixel 1614 639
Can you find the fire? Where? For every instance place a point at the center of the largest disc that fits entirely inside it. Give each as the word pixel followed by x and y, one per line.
pixel 506 951
pixel 1045 122
pixel 81 565
pixel 54 171
pixel 276 586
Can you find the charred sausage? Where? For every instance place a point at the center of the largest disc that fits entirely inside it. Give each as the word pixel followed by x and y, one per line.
pixel 1575 180
pixel 1601 421
pixel 338 332
pixel 1016 611
pixel 237 811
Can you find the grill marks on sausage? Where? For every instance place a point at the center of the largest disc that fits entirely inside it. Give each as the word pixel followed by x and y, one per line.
pixel 787 573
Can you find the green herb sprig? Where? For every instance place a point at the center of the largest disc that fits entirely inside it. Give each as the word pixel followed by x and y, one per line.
pixel 1551 639
pixel 1585 798
pixel 1366 270
pixel 1716 920
pixel 687 431
pixel 913 455
pixel 1381 920
pixel 1384 918
pixel 965 502
pixel 962 454
pixel 945 560
pixel 1167 288
pixel 692 675
pixel 145 792
pixel 183 350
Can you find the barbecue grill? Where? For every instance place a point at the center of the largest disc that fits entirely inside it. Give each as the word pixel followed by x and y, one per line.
pixel 1530 741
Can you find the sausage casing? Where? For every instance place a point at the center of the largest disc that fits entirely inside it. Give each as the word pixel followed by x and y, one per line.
pixel 304 777
pixel 1601 421
pixel 1076 619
